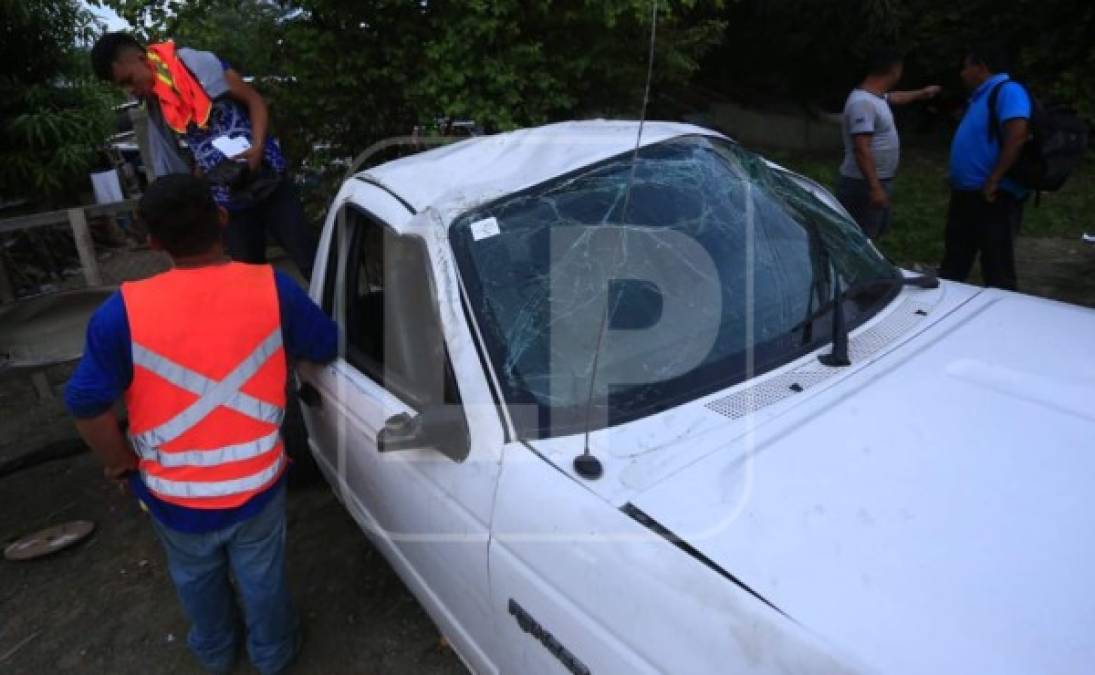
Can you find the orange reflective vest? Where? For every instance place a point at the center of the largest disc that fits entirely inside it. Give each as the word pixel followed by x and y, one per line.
pixel 182 98
pixel 208 390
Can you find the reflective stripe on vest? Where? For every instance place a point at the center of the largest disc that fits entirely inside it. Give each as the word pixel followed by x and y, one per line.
pixel 220 393
pixel 229 453
pixel 212 394
pixel 199 384
pixel 220 488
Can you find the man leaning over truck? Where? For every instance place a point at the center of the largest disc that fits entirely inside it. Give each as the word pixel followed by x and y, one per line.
pixel 197 97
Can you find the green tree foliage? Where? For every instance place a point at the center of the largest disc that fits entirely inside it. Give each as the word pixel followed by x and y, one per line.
pixel 347 73
pixel 812 51
pixel 343 74
pixel 53 117
pixel 245 33
pixel 508 64
pixel 1050 41
pixel 1055 44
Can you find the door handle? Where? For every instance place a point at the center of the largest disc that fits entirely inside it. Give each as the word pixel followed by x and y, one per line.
pixel 309 395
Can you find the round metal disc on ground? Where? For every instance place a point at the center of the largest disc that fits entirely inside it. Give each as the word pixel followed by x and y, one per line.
pixel 49 540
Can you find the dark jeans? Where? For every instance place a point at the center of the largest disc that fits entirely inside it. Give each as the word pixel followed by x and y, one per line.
pixel 253 553
pixel 977 226
pixel 854 194
pixel 283 214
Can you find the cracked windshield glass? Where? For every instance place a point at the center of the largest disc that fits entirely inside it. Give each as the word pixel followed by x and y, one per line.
pixel 711 269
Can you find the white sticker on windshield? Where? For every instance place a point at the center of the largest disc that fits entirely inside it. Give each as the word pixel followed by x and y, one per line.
pixel 482 229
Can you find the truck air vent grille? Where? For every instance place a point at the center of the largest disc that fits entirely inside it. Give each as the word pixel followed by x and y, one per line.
pixel 861 348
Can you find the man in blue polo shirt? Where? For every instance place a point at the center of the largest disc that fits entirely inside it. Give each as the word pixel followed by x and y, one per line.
pixel 986 206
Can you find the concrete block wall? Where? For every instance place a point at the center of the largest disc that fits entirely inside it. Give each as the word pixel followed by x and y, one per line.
pixel 782 130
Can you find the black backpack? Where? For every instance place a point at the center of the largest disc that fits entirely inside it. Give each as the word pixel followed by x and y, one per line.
pixel 1056 144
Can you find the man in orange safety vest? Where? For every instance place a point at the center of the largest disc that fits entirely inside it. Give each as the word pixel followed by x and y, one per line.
pixel 199 356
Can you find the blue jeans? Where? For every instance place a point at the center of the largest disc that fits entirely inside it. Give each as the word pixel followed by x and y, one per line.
pixel 253 551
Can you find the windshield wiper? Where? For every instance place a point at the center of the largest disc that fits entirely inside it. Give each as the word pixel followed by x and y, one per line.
pixel 819 256
pixel 925 281
pixel 838 357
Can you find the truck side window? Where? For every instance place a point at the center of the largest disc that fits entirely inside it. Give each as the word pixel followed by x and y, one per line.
pixel 365 306
pixel 392 331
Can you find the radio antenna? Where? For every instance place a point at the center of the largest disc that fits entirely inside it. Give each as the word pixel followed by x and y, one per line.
pixel 586 464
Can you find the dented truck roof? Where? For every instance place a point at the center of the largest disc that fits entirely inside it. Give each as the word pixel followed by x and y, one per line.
pixel 456 177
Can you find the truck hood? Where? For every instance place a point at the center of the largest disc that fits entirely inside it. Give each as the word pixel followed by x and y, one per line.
pixel 932 512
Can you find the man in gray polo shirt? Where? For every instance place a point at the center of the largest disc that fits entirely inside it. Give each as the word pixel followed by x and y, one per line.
pixel 871 144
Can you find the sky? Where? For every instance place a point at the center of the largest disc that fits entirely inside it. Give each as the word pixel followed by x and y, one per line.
pixel 113 21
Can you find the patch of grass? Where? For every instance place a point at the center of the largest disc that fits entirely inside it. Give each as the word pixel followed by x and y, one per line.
pixel 921 196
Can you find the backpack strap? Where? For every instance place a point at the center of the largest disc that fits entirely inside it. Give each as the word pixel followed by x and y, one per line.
pixel 994 119
pixel 994 96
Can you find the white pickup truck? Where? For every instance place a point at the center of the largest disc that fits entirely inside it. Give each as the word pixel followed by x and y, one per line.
pixel 667 411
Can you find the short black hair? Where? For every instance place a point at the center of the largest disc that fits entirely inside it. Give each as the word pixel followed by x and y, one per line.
pixel 992 55
pixel 882 59
pixel 106 51
pixel 180 214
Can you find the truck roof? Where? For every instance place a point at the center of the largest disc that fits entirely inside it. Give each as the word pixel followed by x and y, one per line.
pixel 456 177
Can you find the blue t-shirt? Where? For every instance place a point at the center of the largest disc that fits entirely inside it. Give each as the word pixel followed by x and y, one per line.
pixel 973 155
pixel 106 370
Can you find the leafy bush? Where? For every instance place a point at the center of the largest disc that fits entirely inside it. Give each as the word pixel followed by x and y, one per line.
pixel 53 116
pixel 348 73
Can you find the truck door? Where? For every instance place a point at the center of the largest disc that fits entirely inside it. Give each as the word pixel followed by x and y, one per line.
pixel 428 512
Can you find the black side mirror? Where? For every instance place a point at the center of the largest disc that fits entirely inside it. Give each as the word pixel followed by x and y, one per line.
pixel 443 428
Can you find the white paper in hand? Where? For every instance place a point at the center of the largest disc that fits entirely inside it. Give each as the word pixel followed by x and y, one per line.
pixel 231 147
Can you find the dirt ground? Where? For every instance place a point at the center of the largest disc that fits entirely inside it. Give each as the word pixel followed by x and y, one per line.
pixel 1061 269
pixel 107 606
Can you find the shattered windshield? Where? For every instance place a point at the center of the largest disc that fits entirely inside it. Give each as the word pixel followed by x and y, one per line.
pixel 715 268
